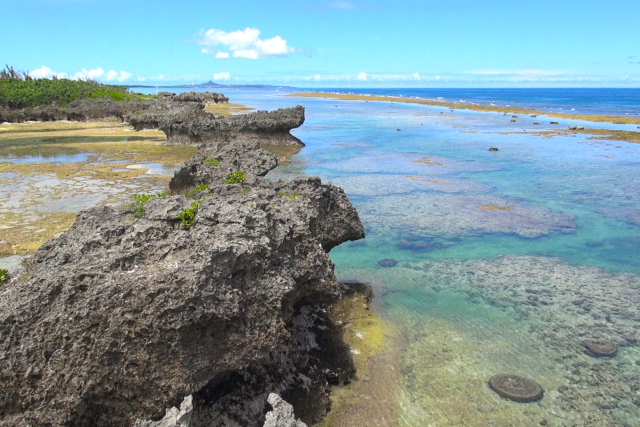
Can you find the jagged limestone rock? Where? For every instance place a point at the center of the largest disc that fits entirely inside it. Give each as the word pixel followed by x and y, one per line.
pixel 282 414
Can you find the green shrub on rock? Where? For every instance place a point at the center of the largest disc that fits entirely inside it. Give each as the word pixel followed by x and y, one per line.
pixel 4 276
pixel 139 200
pixel 236 178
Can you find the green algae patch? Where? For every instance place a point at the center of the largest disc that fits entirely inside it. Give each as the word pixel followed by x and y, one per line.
pixel 460 106
pixel 375 352
pixel 283 152
pixel 596 134
pixel 611 135
pixel 22 234
pixel 41 191
pixel 226 108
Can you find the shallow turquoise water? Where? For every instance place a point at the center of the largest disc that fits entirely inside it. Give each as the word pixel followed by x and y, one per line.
pixel 519 254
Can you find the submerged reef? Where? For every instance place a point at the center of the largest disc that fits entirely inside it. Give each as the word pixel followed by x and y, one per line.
pixel 207 300
pixel 578 325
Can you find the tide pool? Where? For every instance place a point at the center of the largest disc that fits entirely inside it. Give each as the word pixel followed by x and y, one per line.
pixel 507 260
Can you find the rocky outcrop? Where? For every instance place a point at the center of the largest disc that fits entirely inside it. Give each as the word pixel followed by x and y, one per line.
pixel 109 109
pixel 282 414
pixel 222 296
pixel 191 126
pixel 201 97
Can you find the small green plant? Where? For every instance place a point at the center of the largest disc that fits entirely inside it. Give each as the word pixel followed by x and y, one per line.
pixel 236 178
pixel 195 192
pixel 291 196
pixel 139 200
pixel 4 276
pixel 188 215
pixel 211 161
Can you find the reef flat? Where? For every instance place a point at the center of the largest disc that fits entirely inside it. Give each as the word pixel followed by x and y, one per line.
pixel 474 107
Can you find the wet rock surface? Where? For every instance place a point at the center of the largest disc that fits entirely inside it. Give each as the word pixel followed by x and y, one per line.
pixel 222 295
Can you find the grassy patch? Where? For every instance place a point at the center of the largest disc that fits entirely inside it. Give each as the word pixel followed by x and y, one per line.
pixel 4 276
pixel 19 90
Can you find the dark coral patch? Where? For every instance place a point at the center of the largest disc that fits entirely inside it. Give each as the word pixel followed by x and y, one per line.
pixel 516 388
pixel 600 348
pixel 387 262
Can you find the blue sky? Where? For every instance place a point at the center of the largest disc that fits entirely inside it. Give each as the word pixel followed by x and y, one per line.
pixel 314 43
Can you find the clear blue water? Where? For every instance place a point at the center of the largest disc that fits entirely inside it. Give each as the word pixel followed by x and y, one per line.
pixel 507 261
pixel 571 100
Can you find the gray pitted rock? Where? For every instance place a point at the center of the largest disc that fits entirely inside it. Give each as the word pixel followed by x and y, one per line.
pixel 282 414
pixel 174 417
pixel 122 316
pixel 193 126
pixel 214 162
pixel 202 97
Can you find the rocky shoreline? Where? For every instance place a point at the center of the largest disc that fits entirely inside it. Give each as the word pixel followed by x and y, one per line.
pixel 208 299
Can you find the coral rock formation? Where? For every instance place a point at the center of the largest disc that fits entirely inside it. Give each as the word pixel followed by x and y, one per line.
pixel 122 316
pixel 188 126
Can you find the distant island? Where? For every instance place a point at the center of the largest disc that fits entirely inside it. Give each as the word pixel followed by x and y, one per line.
pixel 211 84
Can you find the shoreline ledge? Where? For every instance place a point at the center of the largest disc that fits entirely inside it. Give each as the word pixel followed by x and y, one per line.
pixel 460 106
pixel 208 299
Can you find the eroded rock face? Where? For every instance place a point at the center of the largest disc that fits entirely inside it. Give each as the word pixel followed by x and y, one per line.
pixel 193 126
pixel 122 317
pixel 215 161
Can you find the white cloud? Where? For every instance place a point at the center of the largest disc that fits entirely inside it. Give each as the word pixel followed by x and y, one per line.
pixel 120 76
pixel 342 5
pixel 416 76
pixel 243 43
pixel 222 76
pixel 317 77
pixel 124 76
pixel 95 74
pixel 41 72
pixel 112 75
pixel 246 53
pixel 161 77
pixel 141 79
pixel 89 74
pixel 363 76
